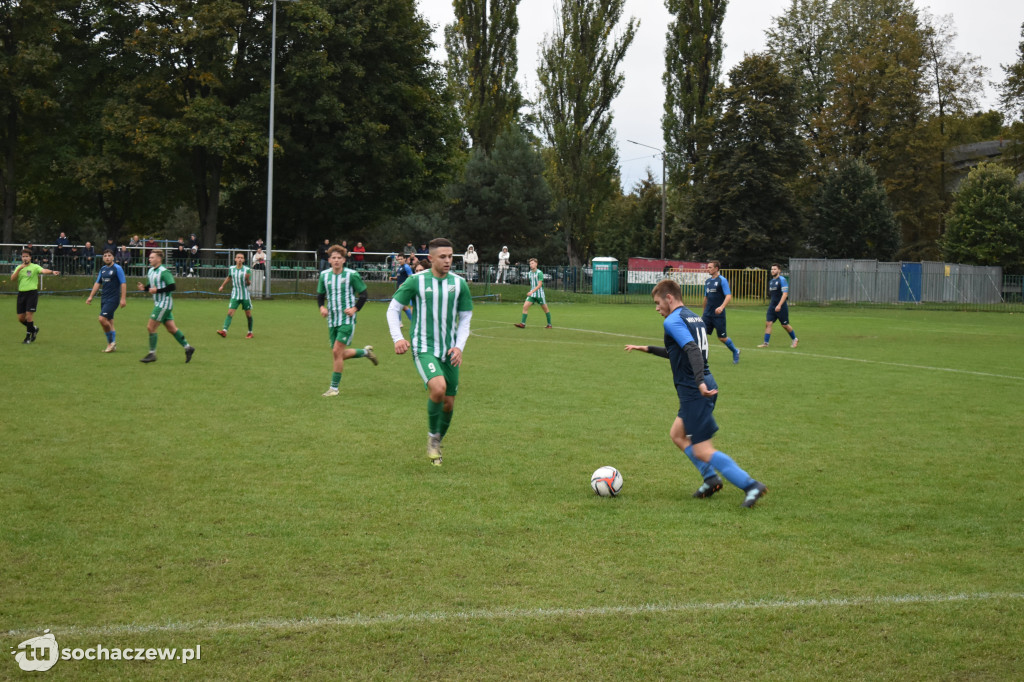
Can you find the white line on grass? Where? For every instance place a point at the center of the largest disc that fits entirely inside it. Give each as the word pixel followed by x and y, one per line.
pixel 360 620
pixel 905 365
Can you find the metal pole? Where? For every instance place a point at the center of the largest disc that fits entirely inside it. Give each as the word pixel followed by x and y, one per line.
pixel 663 192
pixel 270 148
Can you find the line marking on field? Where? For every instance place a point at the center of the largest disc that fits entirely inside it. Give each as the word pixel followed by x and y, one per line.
pixel 904 365
pixel 360 620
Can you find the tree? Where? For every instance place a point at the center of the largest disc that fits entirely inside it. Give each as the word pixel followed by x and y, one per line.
pixel 364 129
pixel 1011 90
pixel 27 72
pixel 693 67
pixel 482 66
pixel 631 226
pixel 853 218
pixel 579 79
pixel 985 225
pixel 746 213
pixel 504 200
pixel 805 43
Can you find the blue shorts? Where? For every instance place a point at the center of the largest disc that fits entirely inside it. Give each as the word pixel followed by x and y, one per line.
pixel 716 322
pixel 696 411
pixel 108 308
pixel 782 316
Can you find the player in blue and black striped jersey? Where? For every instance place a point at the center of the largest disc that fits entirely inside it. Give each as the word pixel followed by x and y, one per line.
pixel 716 296
pixel 114 295
pixel 778 293
pixel 686 347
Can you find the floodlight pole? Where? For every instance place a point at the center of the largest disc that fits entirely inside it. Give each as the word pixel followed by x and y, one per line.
pixel 270 149
pixel 663 191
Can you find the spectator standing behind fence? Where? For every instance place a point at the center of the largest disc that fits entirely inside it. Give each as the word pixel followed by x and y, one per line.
pixel 135 247
pixel 259 268
pixel 716 296
pixel 503 258
pixel 193 255
pixel 408 250
pixel 180 257
pixel 321 256
pixel 358 253
pixel 123 257
pixel 74 260
pixel 88 256
pixel 471 258
pixel 60 251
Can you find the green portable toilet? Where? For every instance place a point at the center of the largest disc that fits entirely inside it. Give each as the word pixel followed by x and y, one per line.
pixel 606 275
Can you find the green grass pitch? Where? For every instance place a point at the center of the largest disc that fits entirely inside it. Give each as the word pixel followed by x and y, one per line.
pixel 226 504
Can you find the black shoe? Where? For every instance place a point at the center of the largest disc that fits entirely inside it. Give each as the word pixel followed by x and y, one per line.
pixel 189 350
pixel 28 337
pixel 35 330
pixel 150 357
pixel 755 493
pixel 709 487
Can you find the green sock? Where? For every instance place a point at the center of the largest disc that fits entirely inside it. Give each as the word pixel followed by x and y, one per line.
pixel 434 416
pixel 335 379
pixel 524 318
pixel 549 317
pixel 227 322
pixel 446 421
pixel 180 336
pixel 249 320
pixel 360 352
pixel 152 342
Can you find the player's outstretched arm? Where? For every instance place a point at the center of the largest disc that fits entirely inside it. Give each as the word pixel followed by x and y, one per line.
pixel 630 347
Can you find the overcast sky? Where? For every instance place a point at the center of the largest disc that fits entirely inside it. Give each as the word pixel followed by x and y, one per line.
pixel 988 29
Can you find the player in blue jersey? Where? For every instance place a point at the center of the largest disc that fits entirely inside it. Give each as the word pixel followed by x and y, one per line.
pixel 113 296
pixel 686 347
pixel 778 293
pixel 403 273
pixel 716 296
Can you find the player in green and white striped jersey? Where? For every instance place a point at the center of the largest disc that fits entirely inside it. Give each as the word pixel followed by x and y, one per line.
pixel 440 327
pixel 161 285
pixel 341 293
pixel 240 277
pixel 535 294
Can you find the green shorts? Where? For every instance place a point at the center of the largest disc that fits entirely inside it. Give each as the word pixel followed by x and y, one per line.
pixel 161 314
pixel 429 366
pixel 244 302
pixel 539 299
pixel 342 334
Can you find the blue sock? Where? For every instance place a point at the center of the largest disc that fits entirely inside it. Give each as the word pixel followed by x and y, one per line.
pixel 728 344
pixel 705 469
pixel 728 468
pixel 113 336
pixel 766 337
pixel 408 313
pixel 792 334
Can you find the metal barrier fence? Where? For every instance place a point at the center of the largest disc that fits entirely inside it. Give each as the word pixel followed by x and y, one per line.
pixel 927 284
pixel 812 282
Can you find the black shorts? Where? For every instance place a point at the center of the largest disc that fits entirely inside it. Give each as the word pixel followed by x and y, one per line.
pixel 716 322
pixel 108 308
pixel 27 301
pixel 782 316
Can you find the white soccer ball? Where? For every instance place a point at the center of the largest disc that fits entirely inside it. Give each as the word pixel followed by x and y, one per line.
pixel 606 481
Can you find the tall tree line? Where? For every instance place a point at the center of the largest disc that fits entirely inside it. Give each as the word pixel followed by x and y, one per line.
pixel 115 113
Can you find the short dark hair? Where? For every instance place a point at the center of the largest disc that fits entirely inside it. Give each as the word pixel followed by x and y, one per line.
pixel 439 243
pixel 28 251
pixel 110 251
pixel 776 265
pixel 715 263
pixel 667 287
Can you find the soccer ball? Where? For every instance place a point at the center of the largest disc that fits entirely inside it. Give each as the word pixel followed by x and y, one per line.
pixel 606 481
